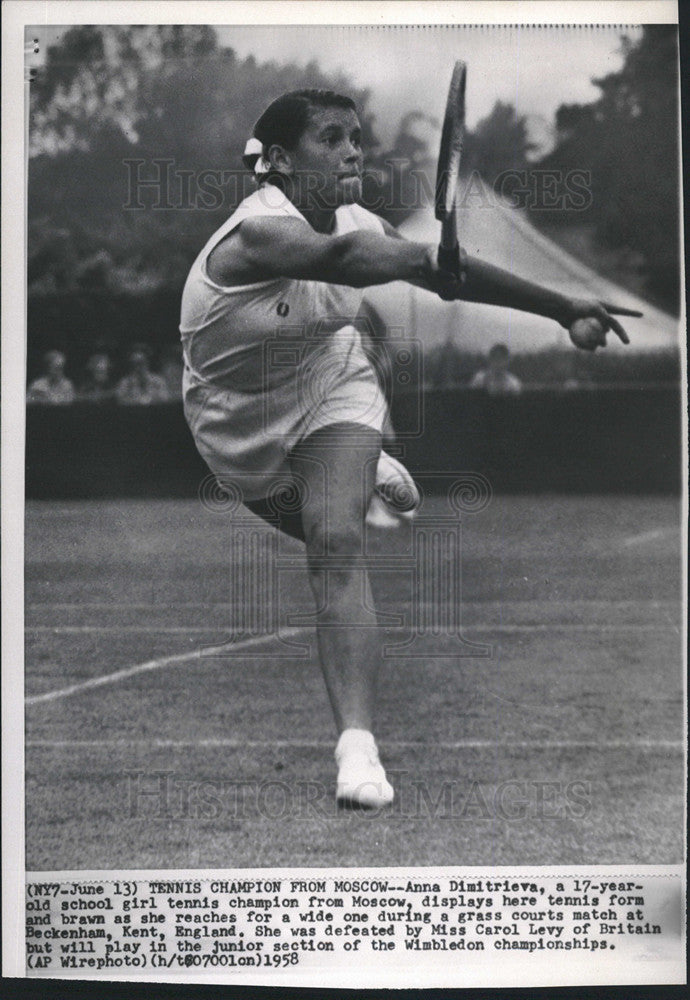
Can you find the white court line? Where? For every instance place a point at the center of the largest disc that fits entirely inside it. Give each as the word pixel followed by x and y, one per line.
pixel 164 661
pixel 464 626
pixel 238 744
pixel 228 648
pixel 646 536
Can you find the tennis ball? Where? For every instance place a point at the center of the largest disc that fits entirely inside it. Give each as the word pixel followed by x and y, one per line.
pixel 588 333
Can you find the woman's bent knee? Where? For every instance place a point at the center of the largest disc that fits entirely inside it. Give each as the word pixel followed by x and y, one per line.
pixel 334 558
pixel 324 541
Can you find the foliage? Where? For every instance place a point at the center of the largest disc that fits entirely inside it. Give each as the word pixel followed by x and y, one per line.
pixel 500 142
pixel 628 141
pixel 117 107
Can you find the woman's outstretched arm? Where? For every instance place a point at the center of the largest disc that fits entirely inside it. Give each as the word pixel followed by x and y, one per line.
pixel 484 283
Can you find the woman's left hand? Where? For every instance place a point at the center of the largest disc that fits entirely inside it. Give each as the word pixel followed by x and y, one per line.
pixel 603 312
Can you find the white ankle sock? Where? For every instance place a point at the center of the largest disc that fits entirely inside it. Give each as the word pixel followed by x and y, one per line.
pixel 354 740
pixel 361 777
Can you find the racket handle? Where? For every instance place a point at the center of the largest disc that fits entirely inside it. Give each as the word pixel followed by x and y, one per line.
pixel 449 259
pixel 450 256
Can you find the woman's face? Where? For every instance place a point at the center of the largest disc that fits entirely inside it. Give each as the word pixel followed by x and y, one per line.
pixel 327 161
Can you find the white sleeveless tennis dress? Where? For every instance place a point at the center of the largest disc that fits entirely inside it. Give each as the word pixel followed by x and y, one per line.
pixel 269 363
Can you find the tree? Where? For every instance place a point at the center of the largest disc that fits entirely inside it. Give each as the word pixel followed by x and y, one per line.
pixel 116 108
pixel 628 141
pixel 499 142
pixel 92 80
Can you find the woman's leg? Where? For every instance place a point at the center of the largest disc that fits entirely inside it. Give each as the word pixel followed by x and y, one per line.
pixel 338 465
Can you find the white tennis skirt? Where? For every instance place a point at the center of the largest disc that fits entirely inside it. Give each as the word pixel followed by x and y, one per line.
pixel 245 437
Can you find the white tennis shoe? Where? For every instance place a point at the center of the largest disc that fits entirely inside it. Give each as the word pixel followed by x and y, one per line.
pixel 361 778
pixel 396 496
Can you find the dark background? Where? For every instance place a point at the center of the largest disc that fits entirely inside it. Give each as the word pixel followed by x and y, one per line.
pixel 619 440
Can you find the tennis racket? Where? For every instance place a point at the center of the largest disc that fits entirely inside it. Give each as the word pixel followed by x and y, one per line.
pixel 448 171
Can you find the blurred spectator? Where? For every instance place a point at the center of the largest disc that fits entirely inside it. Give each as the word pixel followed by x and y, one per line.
pixel 495 378
pixel 53 388
pixel 140 387
pixel 171 370
pixel 97 387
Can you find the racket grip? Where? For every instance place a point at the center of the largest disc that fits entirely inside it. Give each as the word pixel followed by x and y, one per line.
pixel 453 259
pixel 449 259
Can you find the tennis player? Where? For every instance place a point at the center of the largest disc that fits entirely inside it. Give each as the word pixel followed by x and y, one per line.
pixel 291 261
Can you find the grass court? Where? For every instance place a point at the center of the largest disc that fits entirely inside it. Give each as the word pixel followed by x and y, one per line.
pixel 147 749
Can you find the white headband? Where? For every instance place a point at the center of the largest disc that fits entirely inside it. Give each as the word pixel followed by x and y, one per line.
pixel 254 157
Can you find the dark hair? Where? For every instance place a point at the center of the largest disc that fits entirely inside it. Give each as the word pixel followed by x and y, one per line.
pixel 285 119
pixel 499 351
pixel 53 355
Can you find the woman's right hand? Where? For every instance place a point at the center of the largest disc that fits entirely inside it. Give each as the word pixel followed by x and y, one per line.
pixel 447 285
